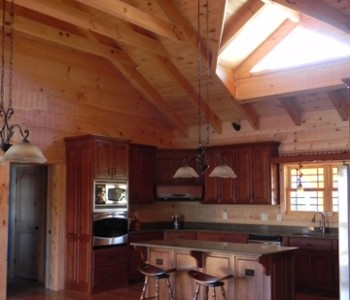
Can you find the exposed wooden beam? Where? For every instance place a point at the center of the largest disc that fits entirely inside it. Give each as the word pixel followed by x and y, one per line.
pixel 291 107
pixel 116 56
pixel 247 110
pixel 53 35
pixel 185 29
pixel 251 115
pixel 243 70
pixel 320 11
pixel 238 20
pixel 131 14
pixel 316 77
pixel 193 95
pixel 81 20
pixel 220 23
pixel 340 102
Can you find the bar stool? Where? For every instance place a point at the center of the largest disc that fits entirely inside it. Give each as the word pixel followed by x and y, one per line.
pixel 207 281
pixel 150 271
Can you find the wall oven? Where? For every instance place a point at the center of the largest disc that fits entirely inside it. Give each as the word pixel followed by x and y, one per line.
pixel 110 228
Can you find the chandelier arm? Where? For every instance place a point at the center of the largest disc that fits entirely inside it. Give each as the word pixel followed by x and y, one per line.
pixel 24 133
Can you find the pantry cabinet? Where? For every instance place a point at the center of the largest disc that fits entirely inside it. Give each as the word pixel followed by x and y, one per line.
pixel 141 174
pixel 83 158
pixel 254 174
pixel 111 159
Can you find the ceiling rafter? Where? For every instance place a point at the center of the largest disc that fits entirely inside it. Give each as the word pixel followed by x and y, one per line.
pixel 81 20
pixel 340 102
pixel 247 110
pixel 185 29
pixel 320 11
pixel 116 56
pixel 292 108
pixel 169 67
pixel 316 78
pixel 243 70
pixel 238 20
pixel 131 14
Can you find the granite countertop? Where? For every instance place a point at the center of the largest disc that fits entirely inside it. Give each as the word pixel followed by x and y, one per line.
pixel 255 250
pixel 287 231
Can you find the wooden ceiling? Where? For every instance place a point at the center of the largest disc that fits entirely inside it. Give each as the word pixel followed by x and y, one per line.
pixel 153 43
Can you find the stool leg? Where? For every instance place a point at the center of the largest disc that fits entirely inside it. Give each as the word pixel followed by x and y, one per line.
pixel 214 293
pixel 143 293
pixel 223 293
pixel 157 289
pixel 169 290
pixel 197 292
pixel 206 292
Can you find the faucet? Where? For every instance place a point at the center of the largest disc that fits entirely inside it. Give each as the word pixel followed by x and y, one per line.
pixel 322 221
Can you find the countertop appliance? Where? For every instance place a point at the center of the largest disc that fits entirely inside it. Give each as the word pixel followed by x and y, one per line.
pixel 344 231
pixel 110 228
pixel 265 239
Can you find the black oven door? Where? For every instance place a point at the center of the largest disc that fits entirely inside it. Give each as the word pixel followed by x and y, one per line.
pixel 110 229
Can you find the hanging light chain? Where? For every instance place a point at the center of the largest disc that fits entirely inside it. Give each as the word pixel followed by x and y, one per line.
pixel 199 72
pixel 207 68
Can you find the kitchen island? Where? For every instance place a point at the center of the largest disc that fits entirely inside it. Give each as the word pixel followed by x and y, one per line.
pixel 263 272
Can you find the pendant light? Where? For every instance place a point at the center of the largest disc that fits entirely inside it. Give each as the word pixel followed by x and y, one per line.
pixel 201 157
pixel 300 187
pixel 23 152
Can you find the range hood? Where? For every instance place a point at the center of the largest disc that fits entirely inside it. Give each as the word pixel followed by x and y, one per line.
pixel 179 192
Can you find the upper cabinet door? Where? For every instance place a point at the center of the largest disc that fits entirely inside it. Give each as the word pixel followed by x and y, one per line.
pixel 220 190
pixel 254 175
pixel 141 174
pixel 111 159
pixel 168 161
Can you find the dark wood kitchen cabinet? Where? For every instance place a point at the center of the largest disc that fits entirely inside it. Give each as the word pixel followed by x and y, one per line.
pixel 141 173
pixel 81 161
pixel 220 190
pixel 254 174
pixel 168 161
pixel 111 158
pixel 109 268
pixel 315 264
pixel 79 153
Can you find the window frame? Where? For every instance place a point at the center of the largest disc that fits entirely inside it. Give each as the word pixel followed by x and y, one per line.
pixel 328 191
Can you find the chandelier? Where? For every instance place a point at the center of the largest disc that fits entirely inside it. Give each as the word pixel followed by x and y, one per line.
pixel 23 152
pixel 201 156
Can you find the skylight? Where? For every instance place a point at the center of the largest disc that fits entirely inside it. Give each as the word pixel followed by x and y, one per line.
pixel 302 47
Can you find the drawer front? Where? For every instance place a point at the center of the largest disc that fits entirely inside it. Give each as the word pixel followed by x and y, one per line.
pixel 109 257
pixel 311 243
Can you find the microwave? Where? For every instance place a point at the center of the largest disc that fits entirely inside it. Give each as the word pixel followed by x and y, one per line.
pixel 110 196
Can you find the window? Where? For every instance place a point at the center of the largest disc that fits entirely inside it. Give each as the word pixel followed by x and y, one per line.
pixel 319 188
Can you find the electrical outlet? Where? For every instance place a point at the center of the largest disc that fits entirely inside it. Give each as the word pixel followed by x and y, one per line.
pixel 224 215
